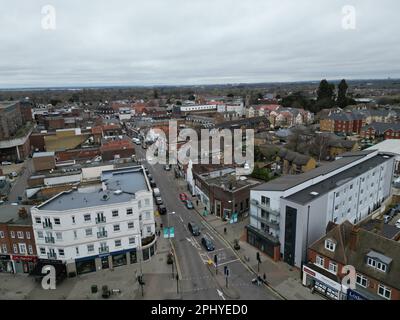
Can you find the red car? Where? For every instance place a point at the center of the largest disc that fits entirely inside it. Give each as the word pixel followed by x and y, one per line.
pixel 183 196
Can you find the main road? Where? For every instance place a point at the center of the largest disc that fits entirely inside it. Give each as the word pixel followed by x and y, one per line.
pixel 198 280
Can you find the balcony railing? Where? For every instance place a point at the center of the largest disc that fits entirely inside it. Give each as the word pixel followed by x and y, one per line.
pixel 100 220
pixel 271 223
pixel 49 239
pixel 47 225
pixel 266 207
pixel 104 250
pixel 51 255
pixel 102 234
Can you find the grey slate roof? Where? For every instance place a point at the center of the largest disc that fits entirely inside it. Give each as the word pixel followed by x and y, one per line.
pixel 128 180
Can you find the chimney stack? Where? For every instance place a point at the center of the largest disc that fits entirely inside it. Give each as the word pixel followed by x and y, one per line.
pixel 22 213
pixel 353 242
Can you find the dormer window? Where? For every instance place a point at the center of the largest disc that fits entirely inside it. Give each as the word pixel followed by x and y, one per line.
pixel 330 245
pixel 378 261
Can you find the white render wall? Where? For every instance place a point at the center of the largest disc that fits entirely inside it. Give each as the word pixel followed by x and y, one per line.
pixel 67 228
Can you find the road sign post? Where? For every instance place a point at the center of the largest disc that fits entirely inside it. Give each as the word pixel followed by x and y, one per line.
pixel 227 273
pixel 216 263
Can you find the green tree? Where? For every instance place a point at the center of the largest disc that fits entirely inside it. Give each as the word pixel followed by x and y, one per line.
pixel 325 91
pixel 342 91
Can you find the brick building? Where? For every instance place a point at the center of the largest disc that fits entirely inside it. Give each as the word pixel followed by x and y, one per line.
pixel 381 131
pixel 17 241
pixel 342 122
pixel 374 255
pixel 115 149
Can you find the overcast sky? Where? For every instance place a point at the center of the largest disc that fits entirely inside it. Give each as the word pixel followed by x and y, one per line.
pixel 152 42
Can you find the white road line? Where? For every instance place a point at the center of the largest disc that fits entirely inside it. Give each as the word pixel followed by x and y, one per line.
pixel 228 262
pixel 210 236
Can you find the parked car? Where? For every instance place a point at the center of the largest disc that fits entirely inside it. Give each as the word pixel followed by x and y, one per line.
pixel 159 200
pixel 189 204
pixel 207 243
pixel 162 209
pixel 6 163
pixel 156 192
pixel 153 184
pixel 150 176
pixel 167 167
pixel 194 229
pixel 183 196
pixel 398 224
pixel 386 219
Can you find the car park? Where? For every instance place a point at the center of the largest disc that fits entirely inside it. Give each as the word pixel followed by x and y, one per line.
pixel 207 243
pixel 189 204
pixel 183 196
pixel 194 229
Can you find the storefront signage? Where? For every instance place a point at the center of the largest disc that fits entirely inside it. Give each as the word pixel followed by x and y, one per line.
pixel 324 279
pixel 353 295
pixel 24 258
pixel 4 257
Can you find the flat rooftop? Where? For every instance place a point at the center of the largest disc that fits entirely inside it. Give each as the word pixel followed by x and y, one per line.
pixel 127 181
pixel 290 181
pixel 304 196
pixel 9 215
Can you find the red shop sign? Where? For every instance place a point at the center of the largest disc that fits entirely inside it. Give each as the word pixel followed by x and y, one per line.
pixel 23 258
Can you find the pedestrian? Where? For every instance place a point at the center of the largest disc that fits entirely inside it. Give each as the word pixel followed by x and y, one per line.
pixel 197 202
pixel 225 230
pixel 265 278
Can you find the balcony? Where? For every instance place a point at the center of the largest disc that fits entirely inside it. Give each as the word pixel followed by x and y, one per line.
pixel 102 234
pixel 49 240
pixel 47 225
pixel 265 207
pixel 270 223
pixel 52 256
pixel 100 220
pixel 104 250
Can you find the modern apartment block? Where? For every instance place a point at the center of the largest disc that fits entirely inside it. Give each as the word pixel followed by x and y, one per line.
pixel 291 212
pixel 99 226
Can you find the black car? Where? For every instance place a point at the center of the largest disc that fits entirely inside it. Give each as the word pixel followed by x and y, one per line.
pixel 162 209
pixel 153 184
pixel 207 243
pixel 194 229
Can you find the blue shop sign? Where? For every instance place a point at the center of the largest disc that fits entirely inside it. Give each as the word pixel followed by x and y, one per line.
pixel 353 295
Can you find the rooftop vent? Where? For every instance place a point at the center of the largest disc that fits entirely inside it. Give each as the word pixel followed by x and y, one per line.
pixel 313 193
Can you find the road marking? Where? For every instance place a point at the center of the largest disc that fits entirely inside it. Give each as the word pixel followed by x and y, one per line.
pixel 210 236
pixel 228 262
pixel 180 218
pixel 221 294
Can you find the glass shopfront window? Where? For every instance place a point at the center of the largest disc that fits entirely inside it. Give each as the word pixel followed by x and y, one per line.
pixel 146 255
pixel 85 266
pixel 119 260
pixel 133 256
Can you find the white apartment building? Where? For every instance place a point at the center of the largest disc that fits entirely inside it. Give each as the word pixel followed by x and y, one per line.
pixel 291 212
pixel 100 226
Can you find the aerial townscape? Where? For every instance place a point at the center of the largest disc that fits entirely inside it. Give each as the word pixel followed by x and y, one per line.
pixel 135 191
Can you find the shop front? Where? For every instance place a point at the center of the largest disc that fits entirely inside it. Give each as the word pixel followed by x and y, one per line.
pixel 323 282
pixel 23 264
pixel 85 265
pixel 6 264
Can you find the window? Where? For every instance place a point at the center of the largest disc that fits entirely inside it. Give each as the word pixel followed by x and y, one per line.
pixel 4 248
pixel 330 245
pixel 117 243
pixel 263 213
pixel 30 249
pixel 77 250
pixel 42 251
pixel 20 234
pixel 337 194
pixel 40 234
pixel 22 248
pixel 132 240
pixel 58 235
pixel 147 214
pixel 336 207
pixel 116 227
pixel 12 233
pixel 146 202
pixel 73 219
pixel 28 235
pixel 129 211
pixel 384 292
pixel 148 229
pixel 75 234
pixel 319 261
pixel 89 232
pixel 90 247
pixel 87 217
pixel 131 225
pixel 265 200
pixel 15 248
pixel 351 186
pixel 38 220
pixel 115 213
pixel 350 198
pixel 371 262
pixel 381 266
pixel 1 234
pixel 332 267
pixel 57 221
pixel 140 204
pixel 61 252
